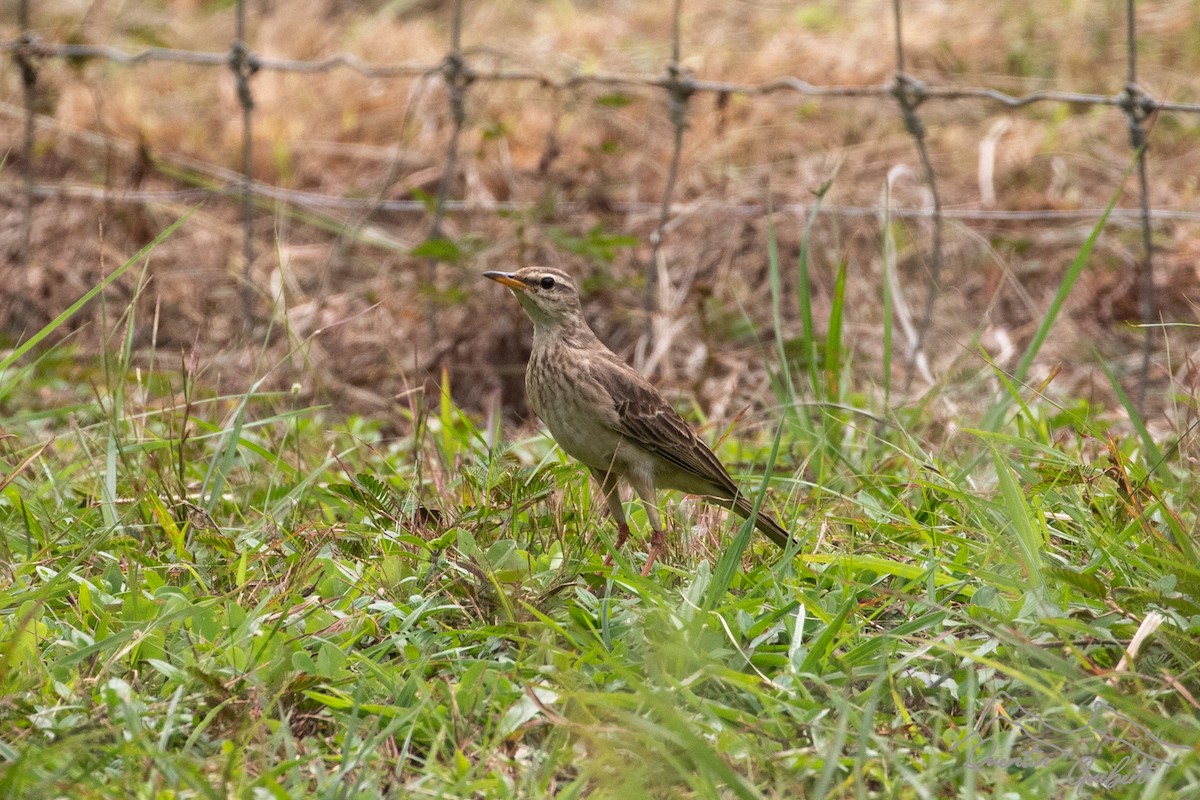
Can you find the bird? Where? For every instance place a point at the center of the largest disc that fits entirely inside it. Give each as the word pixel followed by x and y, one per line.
pixel 604 414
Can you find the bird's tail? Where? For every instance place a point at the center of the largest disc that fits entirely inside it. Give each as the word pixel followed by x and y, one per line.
pixel 764 522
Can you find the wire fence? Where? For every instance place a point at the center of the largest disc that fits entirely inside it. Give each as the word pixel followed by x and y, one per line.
pixel 460 72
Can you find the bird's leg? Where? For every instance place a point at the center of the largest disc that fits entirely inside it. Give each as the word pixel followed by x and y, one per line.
pixel 658 542
pixel 612 498
pixel 622 535
pixel 658 545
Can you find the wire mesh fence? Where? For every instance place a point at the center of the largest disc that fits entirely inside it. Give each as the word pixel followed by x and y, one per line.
pixel 465 70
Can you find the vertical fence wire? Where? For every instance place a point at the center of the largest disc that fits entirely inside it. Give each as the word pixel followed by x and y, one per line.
pixel 243 64
pixel 24 59
pixel 458 77
pixel 910 93
pixel 1138 107
pixel 680 86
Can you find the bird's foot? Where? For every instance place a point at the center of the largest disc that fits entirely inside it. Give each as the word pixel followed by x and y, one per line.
pixel 622 535
pixel 658 546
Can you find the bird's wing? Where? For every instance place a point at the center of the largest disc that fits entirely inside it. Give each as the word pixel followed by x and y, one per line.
pixel 643 416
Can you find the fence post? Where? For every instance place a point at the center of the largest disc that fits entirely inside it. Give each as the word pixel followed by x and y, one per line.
pixel 24 58
pixel 680 86
pixel 1138 106
pixel 910 93
pixel 458 77
pixel 243 64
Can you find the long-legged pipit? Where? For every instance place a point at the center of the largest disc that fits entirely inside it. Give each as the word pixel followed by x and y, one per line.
pixel 609 417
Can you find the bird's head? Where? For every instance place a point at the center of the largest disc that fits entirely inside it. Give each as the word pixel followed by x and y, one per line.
pixel 549 296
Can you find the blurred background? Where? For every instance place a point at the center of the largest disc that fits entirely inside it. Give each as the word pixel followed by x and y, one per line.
pixel 356 166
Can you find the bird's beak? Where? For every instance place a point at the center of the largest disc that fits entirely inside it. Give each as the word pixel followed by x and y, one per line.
pixel 507 279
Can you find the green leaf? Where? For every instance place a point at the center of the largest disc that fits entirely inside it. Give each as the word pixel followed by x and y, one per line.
pixel 439 249
pixel 596 245
pixel 615 100
pixel 1085 582
pixel 1022 522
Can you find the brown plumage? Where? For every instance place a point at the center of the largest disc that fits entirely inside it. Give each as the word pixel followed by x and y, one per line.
pixel 606 415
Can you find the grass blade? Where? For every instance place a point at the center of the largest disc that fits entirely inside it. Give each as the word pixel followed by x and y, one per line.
pixel 90 294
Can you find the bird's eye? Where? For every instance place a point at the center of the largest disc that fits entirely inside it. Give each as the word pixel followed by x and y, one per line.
pixel 547 282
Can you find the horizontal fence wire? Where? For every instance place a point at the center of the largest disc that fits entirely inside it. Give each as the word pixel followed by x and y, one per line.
pixel 316 201
pixel 784 84
pixel 236 184
pixel 229 183
pixel 459 71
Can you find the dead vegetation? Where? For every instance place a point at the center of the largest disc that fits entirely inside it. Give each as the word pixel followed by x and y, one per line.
pixel 356 319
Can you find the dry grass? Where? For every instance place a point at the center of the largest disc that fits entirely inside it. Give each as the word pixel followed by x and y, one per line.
pixel 341 134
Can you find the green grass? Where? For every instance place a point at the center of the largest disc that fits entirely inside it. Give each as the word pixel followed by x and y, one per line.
pixel 236 596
